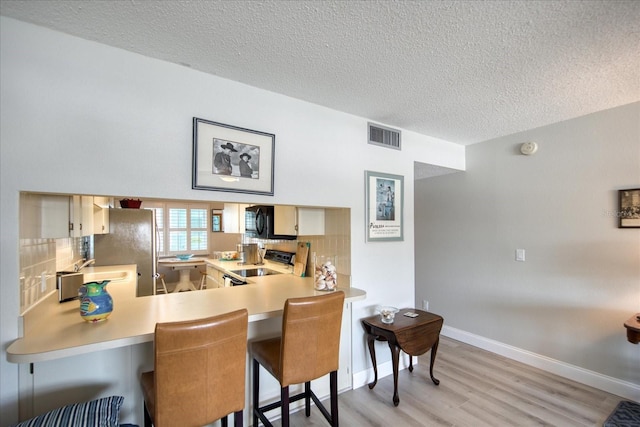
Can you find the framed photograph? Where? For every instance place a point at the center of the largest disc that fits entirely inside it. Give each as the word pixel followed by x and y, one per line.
pixel 216 221
pixel 230 158
pixel 384 207
pixel 629 208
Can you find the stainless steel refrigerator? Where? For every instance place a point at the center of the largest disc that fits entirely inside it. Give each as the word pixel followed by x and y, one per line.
pixel 131 240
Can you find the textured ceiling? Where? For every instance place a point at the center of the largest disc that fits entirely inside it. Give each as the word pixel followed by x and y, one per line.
pixel 463 71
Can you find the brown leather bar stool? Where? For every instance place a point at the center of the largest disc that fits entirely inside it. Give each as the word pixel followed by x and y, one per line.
pixel 199 374
pixel 309 348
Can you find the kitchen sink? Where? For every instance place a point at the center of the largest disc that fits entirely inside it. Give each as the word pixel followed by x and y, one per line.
pixel 106 275
pixel 253 272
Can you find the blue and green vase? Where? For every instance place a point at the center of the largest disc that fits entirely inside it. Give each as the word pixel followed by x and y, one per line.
pixel 95 302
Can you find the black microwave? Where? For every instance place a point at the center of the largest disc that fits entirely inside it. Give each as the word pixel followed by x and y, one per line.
pixel 258 222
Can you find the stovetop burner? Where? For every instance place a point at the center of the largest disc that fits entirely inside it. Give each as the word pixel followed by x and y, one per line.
pixel 252 272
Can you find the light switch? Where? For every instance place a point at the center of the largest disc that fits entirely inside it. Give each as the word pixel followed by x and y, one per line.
pixel 519 254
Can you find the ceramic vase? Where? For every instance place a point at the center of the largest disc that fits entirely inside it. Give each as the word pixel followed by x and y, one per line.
pixel 95 302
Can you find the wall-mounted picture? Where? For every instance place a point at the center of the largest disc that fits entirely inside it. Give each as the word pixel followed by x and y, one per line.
pixel 384 207
pixel 216 221
pixel 231 158
pixel 629 208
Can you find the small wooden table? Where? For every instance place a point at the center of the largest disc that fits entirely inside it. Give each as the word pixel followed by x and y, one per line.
pixel 633 328
pixel 415 336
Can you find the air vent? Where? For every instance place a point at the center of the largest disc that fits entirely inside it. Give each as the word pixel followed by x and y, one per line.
pixel 384 136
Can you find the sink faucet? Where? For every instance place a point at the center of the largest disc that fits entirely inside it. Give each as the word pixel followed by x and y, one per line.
pixel 83 265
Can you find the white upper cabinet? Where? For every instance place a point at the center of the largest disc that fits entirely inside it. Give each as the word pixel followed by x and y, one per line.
pixel 44 216
pixel 55 216
pixel 233 217
pixel 101 215
pixel 82 216
pixel 298 221
pixel 310 222
pixel 284 220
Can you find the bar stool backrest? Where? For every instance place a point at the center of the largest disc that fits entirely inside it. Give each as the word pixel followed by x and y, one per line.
pixel 310 337
pixel 200 369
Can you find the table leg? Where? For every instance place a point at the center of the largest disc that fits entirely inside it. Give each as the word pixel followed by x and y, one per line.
pixel 372 352
pixel 395 356
pixel 410 363
pixel 185 281
pixel 434 350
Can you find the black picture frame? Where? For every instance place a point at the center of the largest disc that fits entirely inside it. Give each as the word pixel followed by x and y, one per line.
pixel 231 158
pixel 629 208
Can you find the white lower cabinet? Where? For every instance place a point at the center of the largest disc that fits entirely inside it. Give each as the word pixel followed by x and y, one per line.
pixel 345 378
pixel 214 278
pixel 75 379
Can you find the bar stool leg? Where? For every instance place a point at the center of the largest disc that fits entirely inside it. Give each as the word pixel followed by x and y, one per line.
pixel 147 417
pixel 238 419
pixel 307 398
pixel 256 391
pixel 284 410
pixel 333 387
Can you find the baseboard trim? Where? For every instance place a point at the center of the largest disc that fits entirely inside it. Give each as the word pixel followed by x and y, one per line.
pixel 363 378
pixel 593 379
pixel 611 385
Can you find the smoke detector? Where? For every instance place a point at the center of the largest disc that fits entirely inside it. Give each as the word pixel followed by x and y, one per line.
pixel 528 148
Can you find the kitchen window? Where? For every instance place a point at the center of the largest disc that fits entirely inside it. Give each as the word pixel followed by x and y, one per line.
pixel 182 228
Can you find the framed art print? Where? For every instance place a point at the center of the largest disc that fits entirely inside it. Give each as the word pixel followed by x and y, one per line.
pixel 231 158
pixel 629 208
pixel 384 207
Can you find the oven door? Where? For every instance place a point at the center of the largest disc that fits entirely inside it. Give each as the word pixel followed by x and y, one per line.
pixel 233 281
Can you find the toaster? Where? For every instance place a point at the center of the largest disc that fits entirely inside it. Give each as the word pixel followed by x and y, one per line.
pixel 68 284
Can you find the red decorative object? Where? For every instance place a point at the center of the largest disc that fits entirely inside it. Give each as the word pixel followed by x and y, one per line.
pixel 130 203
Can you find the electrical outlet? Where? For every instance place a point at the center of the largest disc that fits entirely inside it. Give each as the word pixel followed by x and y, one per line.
pixel 425 305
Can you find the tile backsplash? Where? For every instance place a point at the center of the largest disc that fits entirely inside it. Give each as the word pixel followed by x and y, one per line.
pixel 37 270
pixel 39 261
pixel 336 241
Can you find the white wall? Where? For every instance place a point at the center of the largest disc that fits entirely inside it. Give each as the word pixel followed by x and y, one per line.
pixel 564 307
pixel 80 117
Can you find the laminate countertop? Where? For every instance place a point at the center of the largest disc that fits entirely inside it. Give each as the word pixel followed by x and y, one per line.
pixel 53 330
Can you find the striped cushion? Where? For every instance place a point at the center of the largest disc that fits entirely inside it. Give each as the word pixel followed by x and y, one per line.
pixel 96 413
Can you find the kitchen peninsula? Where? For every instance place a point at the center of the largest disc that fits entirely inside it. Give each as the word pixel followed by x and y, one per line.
pixel 55 330
pixel 56 339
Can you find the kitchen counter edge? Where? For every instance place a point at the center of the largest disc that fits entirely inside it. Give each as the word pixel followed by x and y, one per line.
pixel 71 336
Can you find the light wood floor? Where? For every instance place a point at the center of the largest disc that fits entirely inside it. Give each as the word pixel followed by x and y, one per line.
pixel 477 388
